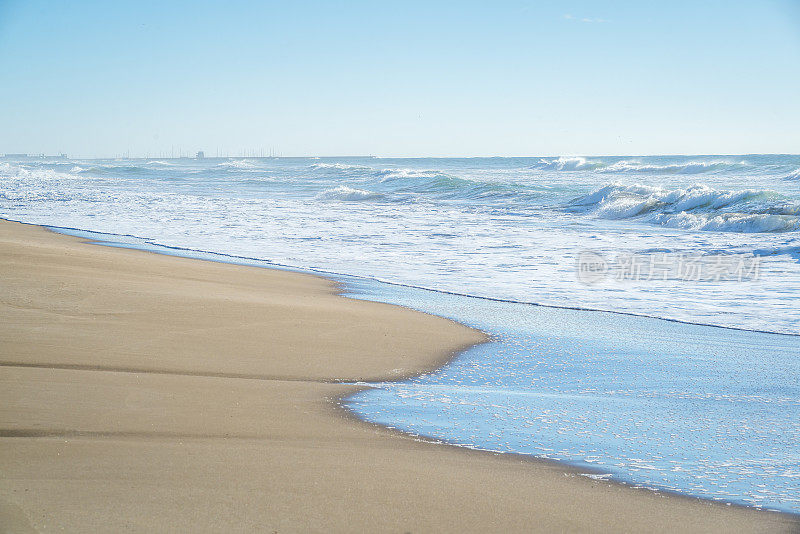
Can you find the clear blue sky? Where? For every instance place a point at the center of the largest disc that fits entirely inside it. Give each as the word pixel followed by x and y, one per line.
pixel 400 78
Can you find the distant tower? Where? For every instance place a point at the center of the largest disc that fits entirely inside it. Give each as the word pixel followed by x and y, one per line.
pixel 200 155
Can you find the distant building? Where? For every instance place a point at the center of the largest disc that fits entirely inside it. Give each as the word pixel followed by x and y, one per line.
pixel 15 155
pixel 200 155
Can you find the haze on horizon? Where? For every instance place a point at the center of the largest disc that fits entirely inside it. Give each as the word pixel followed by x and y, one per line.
pixel 515 78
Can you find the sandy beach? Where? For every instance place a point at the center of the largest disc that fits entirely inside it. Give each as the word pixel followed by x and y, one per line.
pixel 144 393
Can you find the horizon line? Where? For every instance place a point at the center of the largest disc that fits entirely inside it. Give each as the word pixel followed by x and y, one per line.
pixel 40 155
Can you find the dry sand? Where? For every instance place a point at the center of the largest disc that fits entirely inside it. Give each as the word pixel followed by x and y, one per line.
pixel 147 393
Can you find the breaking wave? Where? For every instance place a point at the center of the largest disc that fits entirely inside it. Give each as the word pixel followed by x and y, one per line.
pixel 237 164
pixel 634 166
pixel 568 164
pixel 112 170
pixel 698 207
pixel 349 194
pixel 159 163
pixel 689 167
pixel 415 185
pixel 794 175
pixel 36 175
pixel 340 167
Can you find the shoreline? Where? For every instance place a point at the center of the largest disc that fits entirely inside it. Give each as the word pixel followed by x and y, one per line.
pixel 584 503
pixel 573 468
pixel 344 280
pixel 247 260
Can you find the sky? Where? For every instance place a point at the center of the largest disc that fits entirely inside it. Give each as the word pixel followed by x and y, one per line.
pixel 516 78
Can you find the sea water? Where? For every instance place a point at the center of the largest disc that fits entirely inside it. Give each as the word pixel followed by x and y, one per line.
pixel 707 411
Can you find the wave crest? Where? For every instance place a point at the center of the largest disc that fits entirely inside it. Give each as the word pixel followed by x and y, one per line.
pixel 565 163
pixel 235 164
pixel 348 194
pixel 688 167
pixel 698 207
pixel 339 166
pixel 793 175
pixel 634 166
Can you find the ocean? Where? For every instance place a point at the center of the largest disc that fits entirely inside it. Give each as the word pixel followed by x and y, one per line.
pixel 603 282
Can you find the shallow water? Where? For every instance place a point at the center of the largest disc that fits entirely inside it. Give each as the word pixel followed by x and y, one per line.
pixel 706 411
